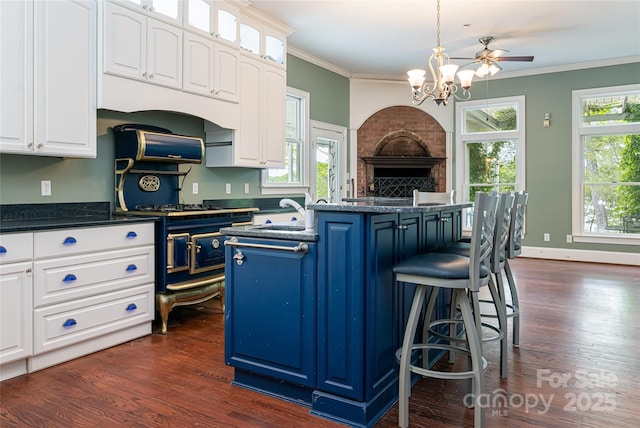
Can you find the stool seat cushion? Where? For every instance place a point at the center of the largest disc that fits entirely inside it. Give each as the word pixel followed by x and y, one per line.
pixel 438 265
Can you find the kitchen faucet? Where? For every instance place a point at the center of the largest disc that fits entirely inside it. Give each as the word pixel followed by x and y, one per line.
pixel 307 214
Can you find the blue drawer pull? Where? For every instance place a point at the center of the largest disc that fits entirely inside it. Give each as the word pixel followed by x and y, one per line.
pixel 69 278
pixel 2 250
pixel 294 219
pixel 69 323
pixel 267 222
pixel 132 234
pixel 131 268
pixel 132 307
pixel 70 240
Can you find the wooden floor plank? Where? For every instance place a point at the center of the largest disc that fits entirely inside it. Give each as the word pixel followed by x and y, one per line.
pixel 578 320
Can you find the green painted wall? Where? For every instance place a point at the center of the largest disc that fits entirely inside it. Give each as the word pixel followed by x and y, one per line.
pixel 548 150
pixel 329 92
pixel 92 180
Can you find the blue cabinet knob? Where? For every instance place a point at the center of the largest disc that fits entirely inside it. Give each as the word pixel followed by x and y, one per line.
pixel 2 249
pixel 69 323
pixel 131 268
pixel 70 240
pixel 132 307
pixel 70 278
pixel 131 235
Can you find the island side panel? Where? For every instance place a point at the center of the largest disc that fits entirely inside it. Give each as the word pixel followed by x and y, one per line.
pixel 340 327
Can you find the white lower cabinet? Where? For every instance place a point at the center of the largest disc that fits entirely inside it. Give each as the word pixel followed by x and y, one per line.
pixel 16 303
pixel 73 292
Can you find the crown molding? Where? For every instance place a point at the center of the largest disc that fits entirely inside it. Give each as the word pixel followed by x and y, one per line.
pixel 502 75
pixel 317 61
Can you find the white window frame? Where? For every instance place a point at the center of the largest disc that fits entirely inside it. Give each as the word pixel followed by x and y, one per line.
pixel 462 138
pixel 302 187
pixel 578 132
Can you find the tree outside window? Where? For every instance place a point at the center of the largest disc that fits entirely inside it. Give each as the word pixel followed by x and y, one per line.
pixel 610 163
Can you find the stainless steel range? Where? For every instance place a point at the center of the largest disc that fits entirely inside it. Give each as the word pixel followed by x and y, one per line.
pixel 189 247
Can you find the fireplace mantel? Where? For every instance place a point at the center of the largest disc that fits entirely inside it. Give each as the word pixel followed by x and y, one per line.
pixel 402 161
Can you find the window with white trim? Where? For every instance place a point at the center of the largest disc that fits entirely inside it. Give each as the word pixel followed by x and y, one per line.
pixel 294 177
pixel 490 147
pixel 606 165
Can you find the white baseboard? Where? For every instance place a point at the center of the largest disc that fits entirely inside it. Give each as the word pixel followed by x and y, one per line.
pixel 618 258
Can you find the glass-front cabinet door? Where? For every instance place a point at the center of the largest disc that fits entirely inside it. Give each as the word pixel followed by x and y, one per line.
pixel 263 41
pixel 198 16
pixel 166 10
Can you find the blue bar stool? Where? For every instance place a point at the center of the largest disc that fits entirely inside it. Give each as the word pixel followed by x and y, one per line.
pixel 464 276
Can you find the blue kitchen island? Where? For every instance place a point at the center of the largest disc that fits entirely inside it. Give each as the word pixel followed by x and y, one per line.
pixel 314 317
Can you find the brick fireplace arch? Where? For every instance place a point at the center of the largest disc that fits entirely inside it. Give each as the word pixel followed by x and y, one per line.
pixel 400 141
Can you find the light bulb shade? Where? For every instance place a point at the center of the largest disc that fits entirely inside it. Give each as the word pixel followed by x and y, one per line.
pixel 416 78
pixel 466 76
pixel 494 68
pixel 448 72
pixel 483 70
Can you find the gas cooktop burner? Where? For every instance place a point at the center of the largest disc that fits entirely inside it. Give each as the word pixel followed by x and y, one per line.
pixel 175 208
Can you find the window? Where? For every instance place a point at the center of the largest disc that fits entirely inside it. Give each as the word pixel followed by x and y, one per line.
pixel 490 147
pixel 294 177
pixel 606 165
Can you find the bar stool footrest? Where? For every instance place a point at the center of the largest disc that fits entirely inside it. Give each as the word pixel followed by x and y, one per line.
pixel 467 374
pixel 499 334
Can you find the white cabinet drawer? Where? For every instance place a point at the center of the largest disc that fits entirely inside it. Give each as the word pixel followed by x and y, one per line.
pixel 82 240
pixel 68 323
pixel 73 277
pixel 16 247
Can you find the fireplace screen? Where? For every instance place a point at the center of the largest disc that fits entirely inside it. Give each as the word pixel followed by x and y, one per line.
pixel 401 187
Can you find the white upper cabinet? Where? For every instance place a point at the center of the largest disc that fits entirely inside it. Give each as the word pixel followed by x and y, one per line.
pixel 216 19
pixel 48 78
pixel 210 68
pixel 165 10
pixel 198 16
pixel 263 40
pixel 142 48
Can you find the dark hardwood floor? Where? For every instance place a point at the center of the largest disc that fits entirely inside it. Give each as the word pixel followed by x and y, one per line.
pixel 578 365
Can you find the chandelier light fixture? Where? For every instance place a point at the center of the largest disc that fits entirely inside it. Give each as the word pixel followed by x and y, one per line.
pixel 443 74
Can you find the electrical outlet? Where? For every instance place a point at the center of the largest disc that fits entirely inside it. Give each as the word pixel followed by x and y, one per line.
pixel 569 239
pixel 547 237
pixel 45 188
pixel 246 187
pixel 227 188
pixel 194 190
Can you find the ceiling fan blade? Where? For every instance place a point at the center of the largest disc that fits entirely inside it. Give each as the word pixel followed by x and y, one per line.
pixel 514 58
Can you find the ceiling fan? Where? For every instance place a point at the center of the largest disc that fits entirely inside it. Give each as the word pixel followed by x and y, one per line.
pixel 488 58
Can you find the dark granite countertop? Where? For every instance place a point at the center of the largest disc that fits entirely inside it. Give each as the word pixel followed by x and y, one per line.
pixel 273 231
pixel 385 205
pixel 34 217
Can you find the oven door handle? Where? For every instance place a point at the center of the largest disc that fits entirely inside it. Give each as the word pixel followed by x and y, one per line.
pixel 300 248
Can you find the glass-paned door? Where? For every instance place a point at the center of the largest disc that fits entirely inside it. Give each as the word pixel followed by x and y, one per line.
pixel 328 161
pixel 326 169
